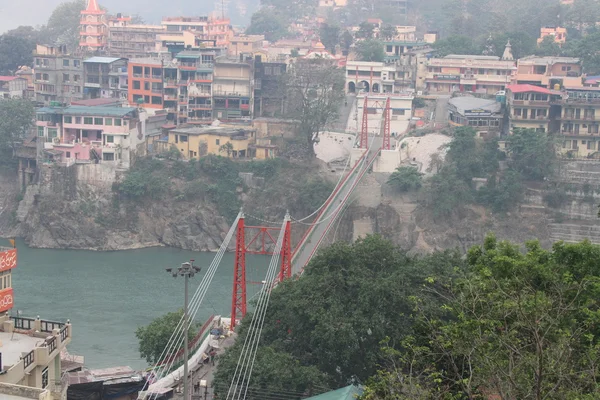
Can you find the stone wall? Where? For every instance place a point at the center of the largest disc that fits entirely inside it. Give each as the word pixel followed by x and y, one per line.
pixel 24 391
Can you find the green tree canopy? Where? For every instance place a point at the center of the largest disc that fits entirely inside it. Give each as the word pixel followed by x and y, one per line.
pixel 405 179
pixel 154 338
pixel 270 23
pixel 15 51
pixel 532 153
pixel 16 120
pixel 64 23
pixel 370 50
pixel 456 45
pixel 330 36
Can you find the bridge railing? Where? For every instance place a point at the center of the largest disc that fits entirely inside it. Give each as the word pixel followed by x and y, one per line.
pixel 192 346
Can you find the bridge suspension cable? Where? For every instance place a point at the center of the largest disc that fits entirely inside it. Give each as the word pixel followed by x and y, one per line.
pixel 243 372
pixel 164 364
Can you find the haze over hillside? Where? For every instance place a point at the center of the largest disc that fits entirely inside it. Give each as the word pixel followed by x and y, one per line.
pixel 36 12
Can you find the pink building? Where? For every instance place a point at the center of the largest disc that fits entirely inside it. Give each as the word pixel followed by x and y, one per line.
pixel 80 134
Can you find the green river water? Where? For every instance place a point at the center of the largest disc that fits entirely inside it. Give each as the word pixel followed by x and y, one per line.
pixel 107 295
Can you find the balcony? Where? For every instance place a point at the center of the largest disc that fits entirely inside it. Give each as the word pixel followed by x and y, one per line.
pixel 574 117
pixel 223 93
pixel 537 103
pixel 528 118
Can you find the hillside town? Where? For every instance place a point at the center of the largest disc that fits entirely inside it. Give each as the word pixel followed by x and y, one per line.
pixel 130 115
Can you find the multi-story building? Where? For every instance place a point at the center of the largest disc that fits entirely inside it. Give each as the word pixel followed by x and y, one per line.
pixel 207 28
pixel 465 73
pixel 58 75
pixel 370 77
pixel 31 347
pixel 133 41
pixel 558 34
pixel 93 27
pixel 233 88
pixel 105 77
pixel 13 87
pixel 80 134
pixel 145 77
pixel 549 72
pixel 268 93
pixel 532 107
pixel 483 115
pixel 245 44
pixel 580 122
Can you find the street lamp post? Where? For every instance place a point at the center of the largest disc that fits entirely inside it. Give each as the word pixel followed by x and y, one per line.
pixel 187 270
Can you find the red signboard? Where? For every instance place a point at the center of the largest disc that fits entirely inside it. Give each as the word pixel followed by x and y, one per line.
pixel 6 299
pixel 8 259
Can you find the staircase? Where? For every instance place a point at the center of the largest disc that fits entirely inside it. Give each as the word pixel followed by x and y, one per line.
pixel 94 155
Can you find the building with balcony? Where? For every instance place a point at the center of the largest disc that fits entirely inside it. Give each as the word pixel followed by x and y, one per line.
pixel 558 34
pixel 146 83
pixel 99 134
pixel 465 73
pixel 206 28
pixel 30 362
pixel 105 77
pixel 483 115
pixel 401 112
pixel 532 107
pixel 13 87
pixel 196 142
pixel 233 89
pixel 93 28
pixel 133 41
pixel 549 72
pixel 245 44
pixel 580 122
pixel 58 75
pixel 370 77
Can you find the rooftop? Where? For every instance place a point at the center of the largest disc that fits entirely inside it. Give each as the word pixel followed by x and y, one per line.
pixel 213 130
pixel 467 103
pixel 12 346
pixel 98 111
pixel 114 374
pixel 523 88
pixel 95 102
pixel 471 57
pixel 548 60
pixel 8 78
pixel 102 60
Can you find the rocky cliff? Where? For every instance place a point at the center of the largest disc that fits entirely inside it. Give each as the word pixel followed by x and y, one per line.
pixel 76 207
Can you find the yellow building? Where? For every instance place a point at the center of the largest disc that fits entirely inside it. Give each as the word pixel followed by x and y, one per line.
pixel 530 107
pixel 245 44
pixel 196 142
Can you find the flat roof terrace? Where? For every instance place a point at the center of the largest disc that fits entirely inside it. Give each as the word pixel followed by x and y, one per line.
pixel 13 346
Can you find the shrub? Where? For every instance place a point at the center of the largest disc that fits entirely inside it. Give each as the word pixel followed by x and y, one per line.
pixel 405 179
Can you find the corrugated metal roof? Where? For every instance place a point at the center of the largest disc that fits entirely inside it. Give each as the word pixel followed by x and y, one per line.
pixel 99 111
pixel 102 60
pixel 525 87
pixel 348 393
pixel 463 104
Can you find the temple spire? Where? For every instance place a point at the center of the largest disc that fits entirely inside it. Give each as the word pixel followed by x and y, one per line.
pixel 93 7
pixel 508 55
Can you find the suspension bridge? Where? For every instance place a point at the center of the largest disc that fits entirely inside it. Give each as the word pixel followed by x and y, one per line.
pixel 285 263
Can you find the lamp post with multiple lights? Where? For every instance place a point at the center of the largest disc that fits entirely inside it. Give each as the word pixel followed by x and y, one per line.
pixel 187 270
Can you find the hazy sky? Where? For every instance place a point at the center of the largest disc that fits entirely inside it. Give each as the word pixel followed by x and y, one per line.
pixel 36 12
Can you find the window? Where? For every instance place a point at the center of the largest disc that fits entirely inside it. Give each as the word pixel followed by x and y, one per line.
pixel 68 154
pixel 84 134
pixel 110 139
pixel 45 378
pixel 46 77
pixel 108 156
pixel 156 100
pixel 137 85
pixel 176 138
pixel 389 48
pixel 88 120
pixel 118 122
pixel 68 119
pixel 218 142
pixel 108 121
pixel 52 132
pixel 65 63
pixel 183 138
pixel 146 85
pixel 77 120
pixel 40 131
pixel 76 78
pixel 398 112
pixel 98 121
pixel 76 63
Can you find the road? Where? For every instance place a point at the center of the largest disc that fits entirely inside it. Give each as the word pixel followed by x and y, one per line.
pixel 441 111
pixel 306 249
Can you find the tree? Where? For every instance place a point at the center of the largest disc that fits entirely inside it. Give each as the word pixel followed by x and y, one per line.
pixel 455 45
pixel 388 32
pixel 154 338
pixel 405 179
pixel 330 36
pixel 333 318
pixel 269 23
pixel 464 153
pixel 315 92
pixel 548 47
pixel 520 325
pixel 370 50
pixel 16 51
pixel 64 24
pixel 532 153
pixel 227 148
pixel 16 120
pixel 447 192
pixel 346 41
pixel 366 30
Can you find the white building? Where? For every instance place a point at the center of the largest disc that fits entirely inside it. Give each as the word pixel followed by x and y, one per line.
pixel 370 77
